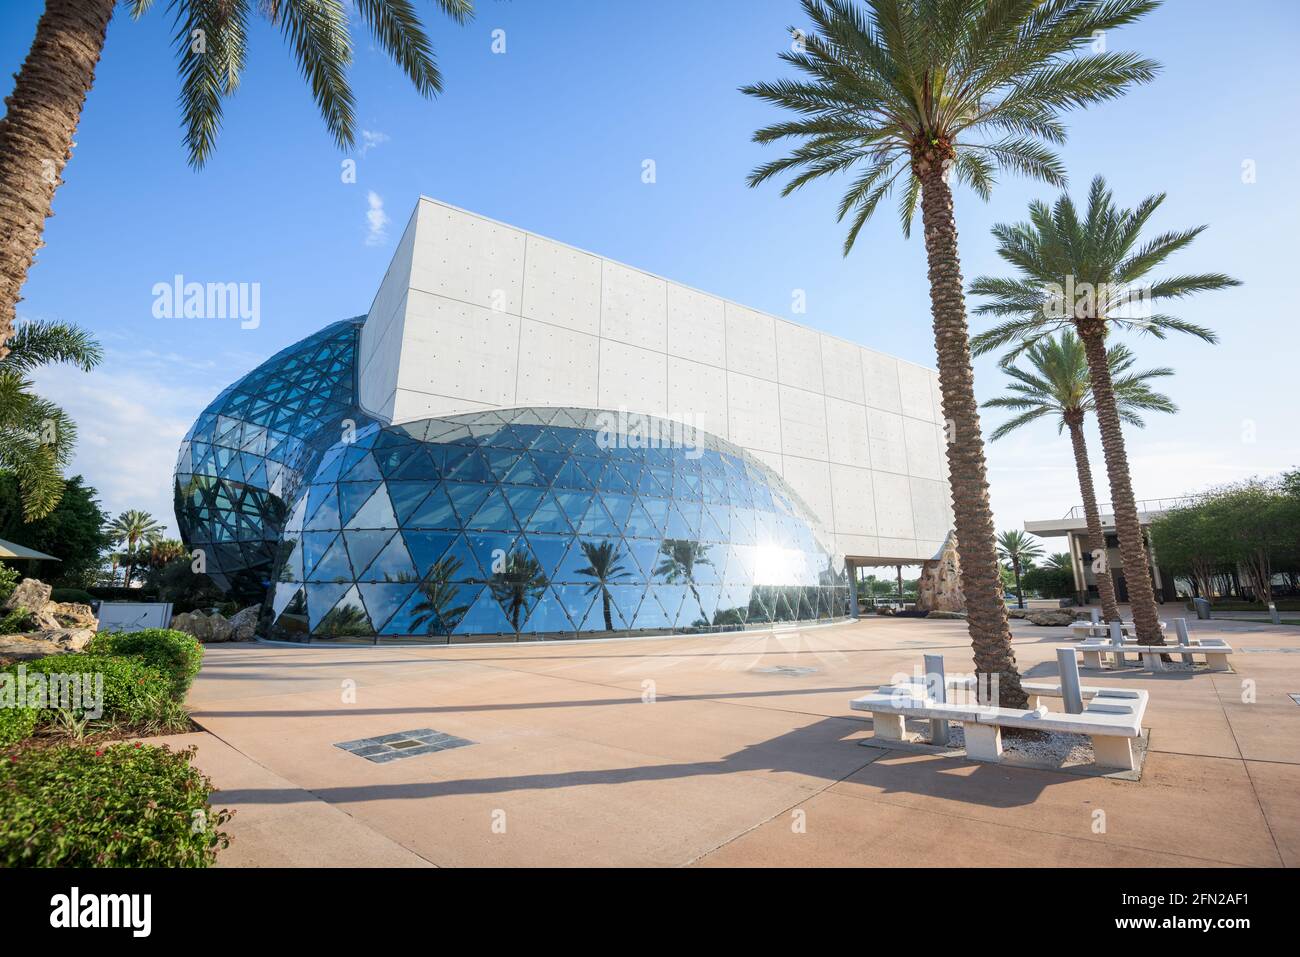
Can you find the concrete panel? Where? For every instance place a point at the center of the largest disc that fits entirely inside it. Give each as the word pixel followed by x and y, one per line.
pixel 803 423
pixel 557 366
pixel 697 395
pixel 880 381
pixel 466 257
pixel 893 506
pixel 931 510
pixel 752 412
pixel 381 352
pixel 633 379
pixel 914 384
pixel 904 548
pixel 751 342
pixel 854 499
pixel 773 460
pixel 858 546
pixel 922 440
pixel 456 349
pixel 561 286
pixel 696 327
pixel 846 433
pixel 633 307
pixel 812 480
pixel 886 437
pixel 409 406
pixel 842 369
pixel 799 357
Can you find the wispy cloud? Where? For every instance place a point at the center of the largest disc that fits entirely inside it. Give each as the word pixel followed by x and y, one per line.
pixel 371 139
pixel 376 219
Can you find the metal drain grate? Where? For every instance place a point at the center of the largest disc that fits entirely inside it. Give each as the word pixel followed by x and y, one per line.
pixel 790 671
pixel 402 744
pixel 1295 698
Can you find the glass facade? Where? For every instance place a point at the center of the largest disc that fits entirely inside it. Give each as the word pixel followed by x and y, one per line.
pixel 545 523
pixel 514 524
pixel 249 450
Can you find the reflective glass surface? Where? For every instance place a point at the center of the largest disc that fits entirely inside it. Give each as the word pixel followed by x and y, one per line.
pixel 248 452
pixel 544 523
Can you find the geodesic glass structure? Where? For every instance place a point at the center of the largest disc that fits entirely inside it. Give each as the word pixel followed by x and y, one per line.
pixel 545 523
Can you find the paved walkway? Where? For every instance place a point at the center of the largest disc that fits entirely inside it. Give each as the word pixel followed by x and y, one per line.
pixel 725 750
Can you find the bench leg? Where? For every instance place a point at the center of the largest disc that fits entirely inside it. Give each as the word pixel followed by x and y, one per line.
pixel 1151 660
pixel 890 727
pixel 983 741
pixel 1092 659
pixel 1033 702
pixel 1215 662
pixel 1113 752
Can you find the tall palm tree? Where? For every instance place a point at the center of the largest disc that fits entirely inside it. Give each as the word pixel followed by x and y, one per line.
pixel 681 557
pixel 36 436
pixel 520 580
pixel 36 135
pixel 131 528
pixel 1090 273
pixel 605 566
pixel 437 610
pixel 1059 387
pixel 1060 561
pixel 1020 550
pixel 919 94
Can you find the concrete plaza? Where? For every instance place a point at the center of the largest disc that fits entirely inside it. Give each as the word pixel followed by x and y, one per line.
pixel 723 751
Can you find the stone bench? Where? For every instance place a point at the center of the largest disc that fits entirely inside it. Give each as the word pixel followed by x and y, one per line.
pixel 1100 629
pixel 1112 718
pixel 1214 650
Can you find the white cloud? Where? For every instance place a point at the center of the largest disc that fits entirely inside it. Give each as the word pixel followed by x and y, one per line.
pixel 371 139
pixel 376 219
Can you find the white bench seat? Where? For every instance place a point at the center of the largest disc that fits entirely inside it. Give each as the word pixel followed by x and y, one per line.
pixel 1112 718
pixel 1214 650
pixel 1088 629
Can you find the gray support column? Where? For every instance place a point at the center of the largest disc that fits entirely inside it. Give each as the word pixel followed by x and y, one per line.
pixel 938 690
pixel 1068 666
pixel 1184 639
pixel 1117 639
pixel 852 570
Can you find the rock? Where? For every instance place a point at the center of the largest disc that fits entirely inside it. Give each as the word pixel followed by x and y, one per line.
pixel 68 639
pixel 947 614
pixel 56 615
pixel 29 594
pixel 25 648
pixel 243 624
pixel 939 588
pixel 209 629
pixel 1050 618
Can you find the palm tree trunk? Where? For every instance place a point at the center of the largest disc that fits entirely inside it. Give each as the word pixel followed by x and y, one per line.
pixel 1020 591
pixel 1096 537
pixel 609 621
pixel 980 579
pixel 1132 550
pixel 36 134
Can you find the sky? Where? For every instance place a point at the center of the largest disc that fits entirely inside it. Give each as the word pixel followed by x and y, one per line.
pixel 551 135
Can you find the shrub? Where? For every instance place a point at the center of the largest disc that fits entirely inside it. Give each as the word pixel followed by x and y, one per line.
pixel 135 693
pixel 124 805
pixel 16 723
pixel 173 652
pixel 20 619
pixel 73 596
pixel 8 581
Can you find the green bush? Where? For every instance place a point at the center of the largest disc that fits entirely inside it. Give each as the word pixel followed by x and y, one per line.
pixel 8 581
pixel 124 805
pixel 15 724
pixel 135 693
pixel 173 652
pixel 72 595
pixel 20 619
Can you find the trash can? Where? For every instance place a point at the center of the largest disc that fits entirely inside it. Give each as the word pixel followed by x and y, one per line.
pixel 1202 608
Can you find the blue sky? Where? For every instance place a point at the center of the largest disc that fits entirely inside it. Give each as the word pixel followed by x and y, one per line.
pixel 551 136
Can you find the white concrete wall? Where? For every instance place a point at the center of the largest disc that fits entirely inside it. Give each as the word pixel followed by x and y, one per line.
pixel 475 314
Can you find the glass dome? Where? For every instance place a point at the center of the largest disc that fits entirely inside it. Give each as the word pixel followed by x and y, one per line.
pixel 545 523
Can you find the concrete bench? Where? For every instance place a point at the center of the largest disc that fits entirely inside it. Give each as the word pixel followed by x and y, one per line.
pixel 1214 650
pixel 1112 718
pixel 1100 629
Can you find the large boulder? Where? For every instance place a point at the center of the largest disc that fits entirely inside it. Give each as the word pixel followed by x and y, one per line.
pixel 209 629
pixel 29 594
pixel 939 588
pixel 946 614
pixel 243 624
pixel 1050 618
pixel 68 639
pixel 26 648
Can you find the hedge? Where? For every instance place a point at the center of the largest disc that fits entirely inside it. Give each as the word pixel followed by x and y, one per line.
pixel 176 654
pixel 135 692
pixel 123 805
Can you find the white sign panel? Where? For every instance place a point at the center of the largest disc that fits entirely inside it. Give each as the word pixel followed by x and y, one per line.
pixel 134 615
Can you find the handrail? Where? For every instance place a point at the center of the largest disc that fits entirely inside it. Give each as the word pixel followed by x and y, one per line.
pixel 1146 505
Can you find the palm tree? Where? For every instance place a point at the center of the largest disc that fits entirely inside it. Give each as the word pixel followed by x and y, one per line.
pixel 1060 561
pixel 1020 550
pixel 1059 387
pixel 918 94
pixel 36 436
pixel 680 559
pixel 437 609
pixel 1090 273
pixel 521 579
pixel 605 565
pixel 131 528
pixel 36 135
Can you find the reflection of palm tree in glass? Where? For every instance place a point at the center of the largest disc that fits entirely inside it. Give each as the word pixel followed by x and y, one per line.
pixel 436 610
pixel 520 580
pixel 605 565
pixel 680 559
pixel 346 621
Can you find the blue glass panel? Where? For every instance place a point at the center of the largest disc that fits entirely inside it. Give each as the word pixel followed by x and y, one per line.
pixel 382 600
pixel 434 512
pixel 392 565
